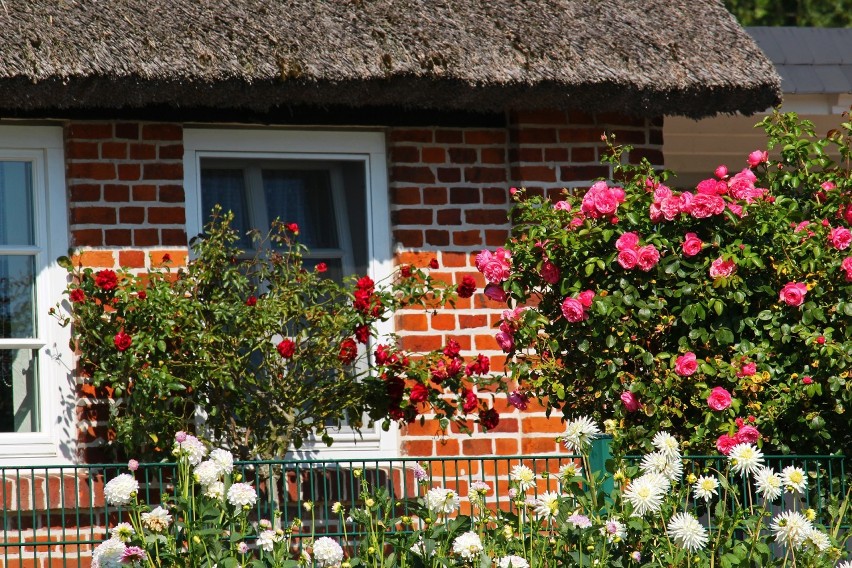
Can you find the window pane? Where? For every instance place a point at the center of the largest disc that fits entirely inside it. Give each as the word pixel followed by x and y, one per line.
pixel 18 391
pixel 303 197
pixel 226 187
pixel 16 203
pixel 17 297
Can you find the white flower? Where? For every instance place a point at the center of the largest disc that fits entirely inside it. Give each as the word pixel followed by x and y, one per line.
pixel 108 554
pixel 687 532
pixel 794 479
pixel 791 528
pixel 440 500
pixel 646 493
pixel 768 483
pixel 419 548
pixel 207 472
pixel 157 520
pixel 223 460
pixel 241 494
pixel 480 487
pixel 705 487
pixel 193 448
pixel 327 552
pixel 523 476
pixel 818 539
pixel 512 562
pixel 580 521
pixel 614 530
pixel 467 545
pixel 122 531
pixel 120 489
pixel 845 564
pixel 568 471
pixel 266 540
pixel 658 462
pixel 745 459
pixel 579 434
pixel 215 490
pixel 667 445
pixel 547 505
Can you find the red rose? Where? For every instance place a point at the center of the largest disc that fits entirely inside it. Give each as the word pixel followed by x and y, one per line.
pixel 419 393
pixel 382 354
pixel 106 280
pixel 362 333
pixel 469 401
pixel 405 271
pixel 142 294
pixel 251 301
pixel 167 257
pixel 480 366
pixel 433 264
pixel 286 348
pixel 77 296
pixel 452 349
pixel 489 419
pixel 293 228
pixel 321 267
pixel 365 283
pixel 467 287
pixel 348 351
pixel 122 341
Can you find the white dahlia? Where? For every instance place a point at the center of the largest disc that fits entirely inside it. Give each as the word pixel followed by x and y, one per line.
pixel 687 532
pixel 121 489
pixel 327 552
pixel 745 459
pixel 467 545
pixel 108 554
pixel 579 434
pixel 440 500
pixel 646 493
pixel 768 483
pixel 705 487
pixel 241 494
pixel 791 528
pixel 512 562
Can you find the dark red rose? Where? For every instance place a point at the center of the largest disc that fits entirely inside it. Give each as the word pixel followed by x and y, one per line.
pixel 489 418
pixel 122 341
pixel 348 351
pixel 167 257
pixel 480 366
pixel 452 349
pixel 362 333
pixel 454 367
pixel 106 280
pixel 293 228
pixel 77 296
pixel 467 287
pixel 377 307
pixel 396 413
pixel 396 390
pixel 470 402
pixel 433 264
pixel 321 267
pixel 405 271
pixel 286 348
pixel 142 294
pixel 439 373
pixel 251 301
pixel 419 393
pixel 383 353
pixel 365 283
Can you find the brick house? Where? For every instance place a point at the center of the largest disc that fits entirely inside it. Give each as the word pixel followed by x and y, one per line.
pixel 123 122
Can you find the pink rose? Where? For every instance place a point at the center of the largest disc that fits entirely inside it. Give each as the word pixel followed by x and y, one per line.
pixel 686 364
pixel 495 267
pixel 655 214
pixel 605 202
pixel 721 172
pixel 793 293
pixel 627 241
pixel 686 202
pixel 649 256
pixel 707 187
pixel 846 265
pixel 549 272
pixel 670 207
pixel 747 435
pixel 722 268
pixel 662 192
pixel 505 341
pixel 562 206
pixel 496 292
pixel 573 310
pixel 704 205
pixel 828 185
pixel 758 157
pixel 747 370
pixel 726 443
pixel 631 403
pixel 840 238
pixel 586 297
pixel 719 399
pixel 692 244
pixel 628 258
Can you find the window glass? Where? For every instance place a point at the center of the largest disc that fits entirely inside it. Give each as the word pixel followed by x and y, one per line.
pixel 18 390
pixel 16 203
pixel 17 304
pixel 304 197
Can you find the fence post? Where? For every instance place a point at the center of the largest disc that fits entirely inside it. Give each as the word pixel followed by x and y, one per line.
pixel 597 460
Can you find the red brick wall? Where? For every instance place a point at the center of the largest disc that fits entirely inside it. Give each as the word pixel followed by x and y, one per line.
pixel 449 200
pixel 449 194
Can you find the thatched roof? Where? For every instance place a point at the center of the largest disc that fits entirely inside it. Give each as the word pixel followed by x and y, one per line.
pixel 644 57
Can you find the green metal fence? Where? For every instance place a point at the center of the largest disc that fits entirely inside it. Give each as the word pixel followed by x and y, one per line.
pixel 54 516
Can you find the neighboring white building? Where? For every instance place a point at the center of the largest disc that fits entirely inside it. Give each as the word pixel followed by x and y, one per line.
pixel 815 65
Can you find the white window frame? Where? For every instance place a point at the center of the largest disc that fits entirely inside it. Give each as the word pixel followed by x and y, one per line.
pixel 55 441
pixel 367 147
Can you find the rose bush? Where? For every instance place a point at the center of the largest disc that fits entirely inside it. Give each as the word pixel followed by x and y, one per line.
pixel 266 352
pixel 741 284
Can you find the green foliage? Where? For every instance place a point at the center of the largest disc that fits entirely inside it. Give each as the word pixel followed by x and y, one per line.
pixel 818 13
pixel 786 360
pixel 268 353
